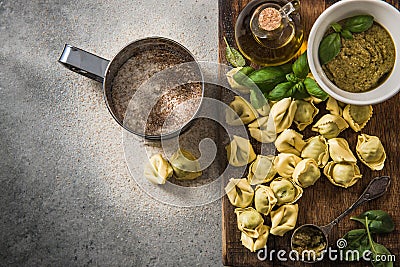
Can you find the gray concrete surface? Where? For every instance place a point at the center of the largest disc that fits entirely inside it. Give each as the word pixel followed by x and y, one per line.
pixel 66 195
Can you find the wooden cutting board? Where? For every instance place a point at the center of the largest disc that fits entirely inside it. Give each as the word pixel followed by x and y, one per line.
pixel 322 202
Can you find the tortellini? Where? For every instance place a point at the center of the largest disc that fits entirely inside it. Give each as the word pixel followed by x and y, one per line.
pixel 240 112
pixel 240 152
pixel 249 221
pixel 285 163
pixel 158 169
pixel 339 150
pixel 264 199
pixel 282 113
pixel 264 110
pixel 261 170
pixel 234 85
pixel 290 141
pixel 185 165
pixel 284 219
pixel 263 130
pixel 305 113
pixel 357 116
pixel 344 174
pixel 260 242
pixel 285 190
pixel 370 151
pixel 239 192
pixel 329 126
pixel 306 173
pixel 333 107
pixel 316 148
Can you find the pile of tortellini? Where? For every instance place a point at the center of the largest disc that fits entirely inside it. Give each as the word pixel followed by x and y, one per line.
pixel 182 164
pixel 275 182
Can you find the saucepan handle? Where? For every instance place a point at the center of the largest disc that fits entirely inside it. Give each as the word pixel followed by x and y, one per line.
pixel 84 63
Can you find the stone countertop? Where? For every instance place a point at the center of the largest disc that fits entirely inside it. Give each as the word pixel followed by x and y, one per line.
pixel 66 195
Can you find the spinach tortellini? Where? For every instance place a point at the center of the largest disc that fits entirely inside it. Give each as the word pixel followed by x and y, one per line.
pixel 261 170
pixel 264 199
pixel 370 151
pixel 285 190
pixel 185 165
pixel 290 141
pixel 285 163
pixel 284 219
pixel 305 113
pixel 158 169
pixel 282 113
pixel 316 148
pixel 239 192
pixel 339 150
pixel 306 173
pixel 330 126
pixel 240 112
pixel 357 116
pixel 260 242
pixel 343 174
pixel 240 152
pixel 332 105
pixel 263 130
pixel 249 221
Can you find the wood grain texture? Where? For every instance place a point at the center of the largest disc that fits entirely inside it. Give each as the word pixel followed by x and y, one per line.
pixel 322 202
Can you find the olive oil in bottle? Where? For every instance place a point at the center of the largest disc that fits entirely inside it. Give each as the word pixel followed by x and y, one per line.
pixel 269 32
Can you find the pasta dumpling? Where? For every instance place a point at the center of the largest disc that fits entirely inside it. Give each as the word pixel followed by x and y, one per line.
pixel 264 110
pixel 290 141
pixel 285 190
pixel 185 165
pixel 264 199
pixel 249 221
pixel 285 163
pixel 240 112
pixel 235 85
pixel 370 151
pixel 239 192
pixel 329 126
pixel 316 148
pixel 284 219
pixel 357 116
pixel 254 244
pixel 240 152
pixel 306 173
pixel 263 130
pixel 158 169
pixel 343 174
pixel 339 150
pixel 261 170
pixel 282 113
pixel 305 113
pixel 333 107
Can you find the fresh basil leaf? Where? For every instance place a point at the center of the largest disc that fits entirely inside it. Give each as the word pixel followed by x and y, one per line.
pixel 381 256
pixel 359 23
pixel 233 56
pixel 336 27
pixel 313 89
pixel 291 77
pixel 378 221
pixel 346 34
pixel 300 91
pixel 300 66
pixel 257 98
pixel 357 244
pixel 329 47
pixel 281 91
pixel 267 78
pixel 242 75
pixel 286 68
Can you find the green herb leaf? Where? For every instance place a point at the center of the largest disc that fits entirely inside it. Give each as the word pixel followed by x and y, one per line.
pixel 300 66
pixel 267 78
pixel 300 91
pixel 233 56
pixel 257 98
pixel 357 244
pixel 242 75
pixel 329 47
pixel 281 91
pixel 378 221
pixel 291 77
pixel 286 68
pixel 346 34
pixel 313 89
pixel 381 256
pixel 336 27
pixel 359 23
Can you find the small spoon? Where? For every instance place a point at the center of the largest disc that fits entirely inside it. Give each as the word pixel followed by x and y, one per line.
pixel 376 188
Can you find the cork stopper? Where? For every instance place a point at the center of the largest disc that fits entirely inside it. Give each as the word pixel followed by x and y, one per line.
pixel 269 19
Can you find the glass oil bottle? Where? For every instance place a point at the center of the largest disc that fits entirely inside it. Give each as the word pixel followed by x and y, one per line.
pixel 269 32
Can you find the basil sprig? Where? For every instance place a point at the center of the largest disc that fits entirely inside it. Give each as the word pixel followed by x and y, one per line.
pixel 233 56
pixel 331 44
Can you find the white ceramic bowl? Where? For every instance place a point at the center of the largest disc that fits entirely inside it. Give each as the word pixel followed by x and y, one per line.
pixel 387 16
